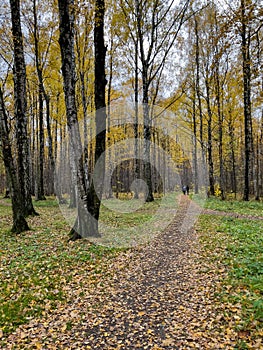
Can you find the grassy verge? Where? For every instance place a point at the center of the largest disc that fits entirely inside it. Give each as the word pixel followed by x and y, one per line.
pixel 238 245
pixel 125 223
pixel 253 208
pixel 36 266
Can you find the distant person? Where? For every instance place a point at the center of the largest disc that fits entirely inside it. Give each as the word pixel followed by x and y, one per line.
pixel 185 189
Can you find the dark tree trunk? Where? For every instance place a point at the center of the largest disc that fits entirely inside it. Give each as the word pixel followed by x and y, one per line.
pixel 7 186
pixel 209 141
pixel 220 132
pixel 245 35
pixel 195 163
pixel 145 101
pixel 231 131
pixel 260 166
pixel 146 156
pixel 110 165
pixel 23 157
pixel 200 109
pixel 83 71
pixel 51 158
pixel 257 171
pixel 198 93
pixel 66 41
pixel 19 222
pixel 100 106
pixel 40 180
pixel 89 197
pixel 136 123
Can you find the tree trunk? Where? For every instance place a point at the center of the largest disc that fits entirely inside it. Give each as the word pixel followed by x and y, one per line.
pixel 195 163
pixel 66 41
pixel 19 222
pixel 257 172
pixel 231 131
pixel 40 180
pixel 245 35
pixel 110 164
pixel 136 123
pixel 198 93
pixel 100 106
pixel 83 71
pixel 23 156
pixel 89 194
pixel 51 158
pixel 209 141
pixel 220 130
pixel 146 112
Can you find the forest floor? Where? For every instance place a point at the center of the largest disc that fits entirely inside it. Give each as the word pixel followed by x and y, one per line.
pixel 164 295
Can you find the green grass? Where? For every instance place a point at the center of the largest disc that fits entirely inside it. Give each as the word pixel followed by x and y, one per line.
pixel 36 266
pixel 244 254
pixel 125 223
pixel 237 244
pixel 253 208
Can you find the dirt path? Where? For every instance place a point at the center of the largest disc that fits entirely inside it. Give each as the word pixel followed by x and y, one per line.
pixel 157 297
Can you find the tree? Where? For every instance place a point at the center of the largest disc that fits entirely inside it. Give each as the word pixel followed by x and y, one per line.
pixel 95 194
pixel 246 40
pixel 89 192
pixel 153 27
pixel 19 221
pixel 20 95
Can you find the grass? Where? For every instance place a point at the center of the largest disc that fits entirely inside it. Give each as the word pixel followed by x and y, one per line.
pixel 36 266
pixel 125 223
pixel 253 208
pixel 237 244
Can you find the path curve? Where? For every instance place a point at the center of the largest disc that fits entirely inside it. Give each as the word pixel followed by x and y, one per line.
pixel 158 297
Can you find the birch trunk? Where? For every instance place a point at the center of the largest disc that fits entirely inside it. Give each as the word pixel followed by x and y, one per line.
pixel 19 221
pixel 89 195
pixel 23 156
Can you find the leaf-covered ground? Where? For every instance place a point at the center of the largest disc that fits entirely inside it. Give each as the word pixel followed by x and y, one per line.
pixel 173 293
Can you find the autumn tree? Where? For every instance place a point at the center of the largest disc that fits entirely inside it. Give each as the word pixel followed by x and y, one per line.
pixel 20 113
pixel 95 194
pixel 19 221
pixel 153 27
pixel 89 192
pixel 246 40
pixel 245 18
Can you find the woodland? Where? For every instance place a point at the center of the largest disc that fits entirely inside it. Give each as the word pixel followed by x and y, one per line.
pixel 108 108
pixel 154 70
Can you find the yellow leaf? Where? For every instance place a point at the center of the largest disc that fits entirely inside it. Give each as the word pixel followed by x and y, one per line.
pixel 38 345
pixel 63 328
pixel 168 342
pixel 141 313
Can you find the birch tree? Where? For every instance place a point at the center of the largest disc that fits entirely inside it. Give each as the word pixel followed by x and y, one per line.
pixel 19 221
pixel 20 97
pixel 88 192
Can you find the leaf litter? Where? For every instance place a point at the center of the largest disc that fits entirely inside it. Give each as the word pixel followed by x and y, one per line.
pixel 163 295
